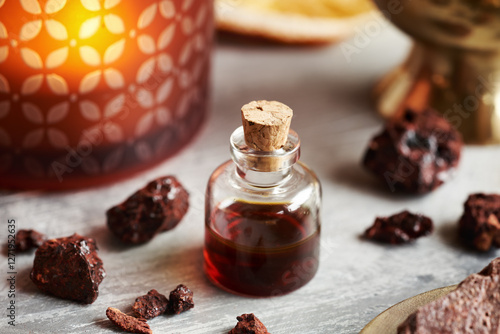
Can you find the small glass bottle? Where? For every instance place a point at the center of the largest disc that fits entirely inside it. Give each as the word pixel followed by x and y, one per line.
pixel 262 211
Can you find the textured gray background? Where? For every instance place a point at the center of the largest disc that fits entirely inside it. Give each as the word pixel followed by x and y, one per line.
pixel 356 281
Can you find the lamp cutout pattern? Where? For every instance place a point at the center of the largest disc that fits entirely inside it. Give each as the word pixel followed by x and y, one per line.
pixel 94 87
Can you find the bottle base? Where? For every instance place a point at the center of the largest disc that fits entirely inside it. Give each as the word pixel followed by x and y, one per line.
pixel 257 291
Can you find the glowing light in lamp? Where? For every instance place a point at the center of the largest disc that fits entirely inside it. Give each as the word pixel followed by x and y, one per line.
pixel 94 89
pixel 495 118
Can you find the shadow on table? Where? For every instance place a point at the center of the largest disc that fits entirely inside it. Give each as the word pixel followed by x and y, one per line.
pixel 106 324
pixel 106 241
pixel 179 263
pixel 24 283
pixel 352 175
pixel 448 233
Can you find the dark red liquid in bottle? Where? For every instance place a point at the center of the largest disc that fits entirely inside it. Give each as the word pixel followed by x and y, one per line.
pixel 261 249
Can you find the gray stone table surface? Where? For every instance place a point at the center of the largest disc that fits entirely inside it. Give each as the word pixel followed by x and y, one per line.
pixel 330 94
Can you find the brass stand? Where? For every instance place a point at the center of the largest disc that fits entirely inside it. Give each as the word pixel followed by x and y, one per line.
pixel 455 71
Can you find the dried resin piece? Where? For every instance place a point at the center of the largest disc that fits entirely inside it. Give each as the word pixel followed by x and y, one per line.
pixel 479 226
pixel 151 305
pixel 29 239
pixel 474 307
pixel 128 323
pixel 157 207
pixel 180 299
pixel 415 153
pixel 399 228
pixel 69 268
pixel 249 324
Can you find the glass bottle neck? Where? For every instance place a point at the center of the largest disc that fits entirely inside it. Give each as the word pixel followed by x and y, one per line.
pixel 263 179
pixel 264 169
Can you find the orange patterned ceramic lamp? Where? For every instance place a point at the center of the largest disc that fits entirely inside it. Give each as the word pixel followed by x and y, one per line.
pixel 94 90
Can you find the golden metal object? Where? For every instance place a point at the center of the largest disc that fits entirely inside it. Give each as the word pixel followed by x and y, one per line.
pixel 454 66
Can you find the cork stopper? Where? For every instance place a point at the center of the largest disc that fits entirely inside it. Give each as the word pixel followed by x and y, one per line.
pixel 266 124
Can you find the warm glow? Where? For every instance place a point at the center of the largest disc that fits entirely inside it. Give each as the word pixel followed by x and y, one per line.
pixel 68 67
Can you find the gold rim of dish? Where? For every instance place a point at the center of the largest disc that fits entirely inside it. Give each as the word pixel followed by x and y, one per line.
pixel 388 321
